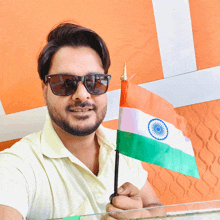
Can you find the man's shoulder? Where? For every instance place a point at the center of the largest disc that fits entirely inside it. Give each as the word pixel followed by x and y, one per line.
pixel 27 145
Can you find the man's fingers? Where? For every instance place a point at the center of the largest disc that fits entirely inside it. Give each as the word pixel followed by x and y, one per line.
pixel 110 218
pixel 128 189
pixel 116 213
pixel 129 198
pixel 107 217
pixel 126 203
pixel 111 208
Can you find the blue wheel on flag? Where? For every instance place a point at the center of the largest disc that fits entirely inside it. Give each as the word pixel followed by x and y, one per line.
pixel 158 129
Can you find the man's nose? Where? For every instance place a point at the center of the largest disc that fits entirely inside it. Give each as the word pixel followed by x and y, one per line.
pixel 81 94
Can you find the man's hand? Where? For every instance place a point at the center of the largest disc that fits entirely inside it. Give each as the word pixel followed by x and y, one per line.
pixel 129 198
pixel 8 213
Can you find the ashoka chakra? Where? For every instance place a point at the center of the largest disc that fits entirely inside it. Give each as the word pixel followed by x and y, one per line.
pixel 158 129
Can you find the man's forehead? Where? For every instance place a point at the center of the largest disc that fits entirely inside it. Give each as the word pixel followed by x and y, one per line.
pixel 75 60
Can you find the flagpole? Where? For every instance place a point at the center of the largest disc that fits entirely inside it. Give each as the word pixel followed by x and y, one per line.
pixel 123 78
pixel 116 177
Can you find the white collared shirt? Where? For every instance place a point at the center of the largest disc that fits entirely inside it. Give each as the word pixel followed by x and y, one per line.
pixel 41 179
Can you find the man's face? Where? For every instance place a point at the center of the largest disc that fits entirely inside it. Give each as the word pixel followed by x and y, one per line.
pixel 80 113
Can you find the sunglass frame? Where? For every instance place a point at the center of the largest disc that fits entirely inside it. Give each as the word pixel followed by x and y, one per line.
pixel 78 79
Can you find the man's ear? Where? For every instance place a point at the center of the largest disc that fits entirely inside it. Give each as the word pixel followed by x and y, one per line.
pixel 44 90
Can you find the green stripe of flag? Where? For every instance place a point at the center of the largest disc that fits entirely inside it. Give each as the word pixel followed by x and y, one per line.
pixel 155 152
pixel 72 218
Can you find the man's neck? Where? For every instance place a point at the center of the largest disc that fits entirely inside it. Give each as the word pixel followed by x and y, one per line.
pixel 85 148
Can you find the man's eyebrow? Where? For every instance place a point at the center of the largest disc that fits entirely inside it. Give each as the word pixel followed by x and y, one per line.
pixel 73 74
pixel 89 73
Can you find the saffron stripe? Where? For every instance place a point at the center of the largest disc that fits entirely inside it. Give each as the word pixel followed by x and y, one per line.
pixel 133 96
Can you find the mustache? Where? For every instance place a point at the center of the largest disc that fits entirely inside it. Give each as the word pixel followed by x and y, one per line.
pixel 81 105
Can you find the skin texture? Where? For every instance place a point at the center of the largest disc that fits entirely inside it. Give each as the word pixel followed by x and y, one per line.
pixel 8 213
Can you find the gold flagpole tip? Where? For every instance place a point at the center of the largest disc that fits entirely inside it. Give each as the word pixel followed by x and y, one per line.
pixel 124 76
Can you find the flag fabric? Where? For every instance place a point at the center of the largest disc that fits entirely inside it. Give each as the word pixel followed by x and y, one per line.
pixel 150 130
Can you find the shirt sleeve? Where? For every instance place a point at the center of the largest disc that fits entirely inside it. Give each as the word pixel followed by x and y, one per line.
pixel 13 184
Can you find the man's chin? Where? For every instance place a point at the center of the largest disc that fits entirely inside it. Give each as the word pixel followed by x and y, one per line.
pixel 81 131
pixel 79 124
pixel 80 128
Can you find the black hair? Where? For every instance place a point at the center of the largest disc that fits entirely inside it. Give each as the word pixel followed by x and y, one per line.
pixel 68 34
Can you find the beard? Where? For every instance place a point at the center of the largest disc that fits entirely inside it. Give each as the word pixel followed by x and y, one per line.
pixel 75 129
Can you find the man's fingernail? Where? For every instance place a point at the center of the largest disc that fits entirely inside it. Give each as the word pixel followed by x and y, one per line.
pixel 120 189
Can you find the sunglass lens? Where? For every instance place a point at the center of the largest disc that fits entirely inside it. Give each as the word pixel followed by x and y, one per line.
pixel 96 84
pixel 63 85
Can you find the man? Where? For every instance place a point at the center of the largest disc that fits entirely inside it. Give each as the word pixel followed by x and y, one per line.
pixel 68 168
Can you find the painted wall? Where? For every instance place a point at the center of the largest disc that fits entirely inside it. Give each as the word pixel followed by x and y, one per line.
pixel 171 46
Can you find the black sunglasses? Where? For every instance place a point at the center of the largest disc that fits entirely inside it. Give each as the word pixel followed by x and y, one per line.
pixel 67 84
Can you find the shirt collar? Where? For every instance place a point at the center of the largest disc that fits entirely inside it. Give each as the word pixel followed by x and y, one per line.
pixel 53 147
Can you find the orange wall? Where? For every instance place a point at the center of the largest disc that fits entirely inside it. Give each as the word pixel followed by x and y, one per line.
pixel 206 31
pixel 25 26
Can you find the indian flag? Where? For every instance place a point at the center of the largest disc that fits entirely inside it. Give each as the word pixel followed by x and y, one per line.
pixel 150 130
